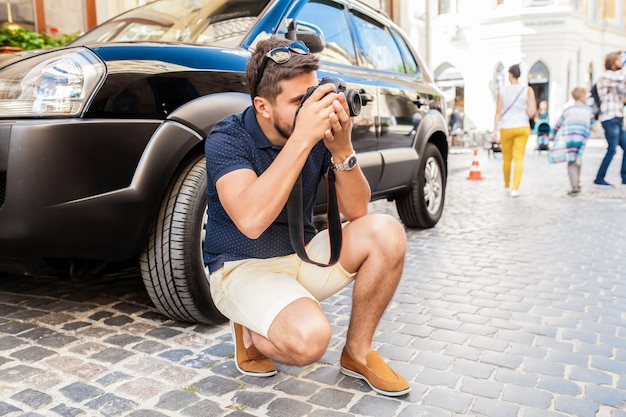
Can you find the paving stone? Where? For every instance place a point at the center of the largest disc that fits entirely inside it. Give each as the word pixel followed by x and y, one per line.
pixel 110 405
pixel 113 378
pixel 32 398
pixel 163 333
pixel 590 375
pixel 176 355
pixel 122 340
pixel 32 354
pixel 457 402
pixel 494 408
pixel 378 406
pixel 150 347
pixel 15 327
pixel 542 367
pixel 296 387
pixel 6 408
pixel 9 343
pixel 36 333
pixel 216 385
pixel 332 398
pixel 286 407
pixel 146 413
pixel 436 377
pixel 559 386
pixel 56 340
pixel 328 413
pixel 488 389
pixel 79 392
pixel 606 395
pixel 111 355
pixel 527 396
pixel 576 406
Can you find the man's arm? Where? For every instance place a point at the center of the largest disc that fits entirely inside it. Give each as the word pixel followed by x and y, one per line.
pixel 254 202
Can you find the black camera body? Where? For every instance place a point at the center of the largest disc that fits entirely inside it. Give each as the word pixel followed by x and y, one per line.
pixel 352 96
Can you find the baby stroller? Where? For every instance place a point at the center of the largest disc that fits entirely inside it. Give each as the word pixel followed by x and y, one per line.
pixel 543 130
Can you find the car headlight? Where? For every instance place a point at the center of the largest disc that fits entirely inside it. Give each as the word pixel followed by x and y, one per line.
pixel 50 84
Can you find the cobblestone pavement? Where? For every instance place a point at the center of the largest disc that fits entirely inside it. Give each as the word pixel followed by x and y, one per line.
pixel 507 308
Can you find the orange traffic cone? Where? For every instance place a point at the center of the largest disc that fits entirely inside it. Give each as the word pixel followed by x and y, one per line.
pixel 474 173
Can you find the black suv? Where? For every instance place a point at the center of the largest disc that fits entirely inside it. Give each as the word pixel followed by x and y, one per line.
pixel 102 141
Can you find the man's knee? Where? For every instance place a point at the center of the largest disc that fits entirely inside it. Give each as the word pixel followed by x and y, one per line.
pixel 301 332
pixel 308 344
pixel 388 232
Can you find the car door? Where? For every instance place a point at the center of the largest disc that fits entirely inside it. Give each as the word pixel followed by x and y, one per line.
pixel 339 59
pixel 400 97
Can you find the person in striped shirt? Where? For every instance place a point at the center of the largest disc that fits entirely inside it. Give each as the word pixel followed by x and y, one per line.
pixel 574 127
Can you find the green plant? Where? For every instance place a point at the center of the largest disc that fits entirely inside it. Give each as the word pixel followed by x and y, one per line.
pixel 27 39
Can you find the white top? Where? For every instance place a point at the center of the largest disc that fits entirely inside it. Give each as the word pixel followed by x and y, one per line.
pixel 515 96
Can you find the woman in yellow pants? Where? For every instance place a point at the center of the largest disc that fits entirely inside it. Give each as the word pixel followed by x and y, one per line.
pixel 513 143
pixel 514 106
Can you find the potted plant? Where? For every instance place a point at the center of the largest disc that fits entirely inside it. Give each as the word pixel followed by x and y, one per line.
pixel 16 39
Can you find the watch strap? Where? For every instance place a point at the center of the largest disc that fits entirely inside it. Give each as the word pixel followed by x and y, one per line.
pixel 343 166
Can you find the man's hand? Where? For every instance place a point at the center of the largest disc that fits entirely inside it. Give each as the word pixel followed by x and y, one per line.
pixel 338 138
pixel 314 117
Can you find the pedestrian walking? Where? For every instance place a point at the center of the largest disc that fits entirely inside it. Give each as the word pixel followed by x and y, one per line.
pixel 573 128
pixel 612 93
pixel 515 105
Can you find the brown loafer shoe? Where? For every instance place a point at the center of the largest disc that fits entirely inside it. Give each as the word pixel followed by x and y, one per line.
pixel 376 373
pixel 250 361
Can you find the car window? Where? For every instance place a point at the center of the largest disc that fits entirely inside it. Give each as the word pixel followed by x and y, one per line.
pixel 411 64
pixel 206 22
pixel 331 19
pixel 377 46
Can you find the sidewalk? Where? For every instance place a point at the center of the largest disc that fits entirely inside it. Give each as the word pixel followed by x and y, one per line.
pixel 509 307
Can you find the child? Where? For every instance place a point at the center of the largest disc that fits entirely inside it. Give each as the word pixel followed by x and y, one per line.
pixel 575 127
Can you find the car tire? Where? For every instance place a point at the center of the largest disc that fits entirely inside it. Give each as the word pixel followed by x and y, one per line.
pixel 171 264
pixel 423 205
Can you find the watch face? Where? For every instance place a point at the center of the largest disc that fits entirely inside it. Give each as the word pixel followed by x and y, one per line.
pixel 352 162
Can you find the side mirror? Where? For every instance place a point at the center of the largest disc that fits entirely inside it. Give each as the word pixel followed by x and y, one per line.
pixel 308 33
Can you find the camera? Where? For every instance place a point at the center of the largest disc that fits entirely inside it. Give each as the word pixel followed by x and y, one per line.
pixel 352 96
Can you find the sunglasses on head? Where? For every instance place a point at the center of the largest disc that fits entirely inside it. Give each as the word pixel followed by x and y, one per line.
pixel 279 55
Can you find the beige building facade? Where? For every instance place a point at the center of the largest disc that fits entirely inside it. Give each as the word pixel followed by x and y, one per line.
pixel 469 46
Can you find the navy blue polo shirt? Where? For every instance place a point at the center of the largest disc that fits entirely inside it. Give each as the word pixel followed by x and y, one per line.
pixel 237 142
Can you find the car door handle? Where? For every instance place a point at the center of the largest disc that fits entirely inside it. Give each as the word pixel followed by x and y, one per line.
pixel 365 97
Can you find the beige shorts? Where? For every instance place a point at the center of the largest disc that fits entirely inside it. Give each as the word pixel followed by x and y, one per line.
pixel 252 292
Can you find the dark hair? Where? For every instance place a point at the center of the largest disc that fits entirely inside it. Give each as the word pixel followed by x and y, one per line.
pixel 274 73
pixel 609 60
pixel 515 71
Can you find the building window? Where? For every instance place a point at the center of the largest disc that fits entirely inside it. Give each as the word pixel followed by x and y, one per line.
pixel 20 12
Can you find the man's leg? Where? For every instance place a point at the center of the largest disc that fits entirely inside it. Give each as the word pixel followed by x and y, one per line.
pixel 611 133
pixel 278 315
pixel 622 144
pixel 376 246
pixel 373 246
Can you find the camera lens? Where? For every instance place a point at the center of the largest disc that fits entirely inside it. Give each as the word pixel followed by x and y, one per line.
pixel 354 102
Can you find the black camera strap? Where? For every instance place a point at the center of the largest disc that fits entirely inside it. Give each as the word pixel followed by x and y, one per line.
pixel 295 218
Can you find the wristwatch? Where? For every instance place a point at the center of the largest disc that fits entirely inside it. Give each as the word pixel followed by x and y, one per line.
pixel 348 163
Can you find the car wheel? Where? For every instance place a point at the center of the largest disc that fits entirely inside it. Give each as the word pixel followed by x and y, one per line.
pixel 422 206
pixel 171 263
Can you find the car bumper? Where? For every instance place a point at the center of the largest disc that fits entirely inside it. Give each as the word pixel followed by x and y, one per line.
pixel 66 187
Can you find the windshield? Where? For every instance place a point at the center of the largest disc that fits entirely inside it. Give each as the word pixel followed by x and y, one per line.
pixel 207 22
